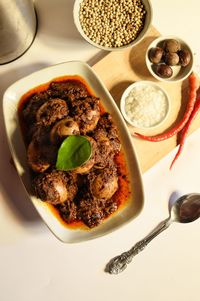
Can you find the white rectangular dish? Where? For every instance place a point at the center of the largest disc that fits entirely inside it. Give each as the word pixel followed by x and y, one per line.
pixel 10 106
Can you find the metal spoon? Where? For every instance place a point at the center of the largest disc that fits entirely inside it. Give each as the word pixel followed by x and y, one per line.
pixel 186 209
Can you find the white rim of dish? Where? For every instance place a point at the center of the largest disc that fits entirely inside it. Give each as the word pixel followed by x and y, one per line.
pixel 140 36
pixel 145 83
pixel 149 63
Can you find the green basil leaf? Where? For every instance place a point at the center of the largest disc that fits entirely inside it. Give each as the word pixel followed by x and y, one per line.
pixel 73 152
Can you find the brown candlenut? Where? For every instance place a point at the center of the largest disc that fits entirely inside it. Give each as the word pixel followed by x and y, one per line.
pixel 112 23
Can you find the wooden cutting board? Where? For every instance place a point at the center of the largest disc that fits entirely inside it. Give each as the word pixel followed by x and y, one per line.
pixel 118 70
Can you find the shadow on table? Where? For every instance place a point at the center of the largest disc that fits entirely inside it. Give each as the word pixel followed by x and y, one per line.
pixel 137 59
pixel 16 198
pixel 55 20
pixel 118 89
pixel 98 57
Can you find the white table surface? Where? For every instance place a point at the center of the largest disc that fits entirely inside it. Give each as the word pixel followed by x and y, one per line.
pixel 34 265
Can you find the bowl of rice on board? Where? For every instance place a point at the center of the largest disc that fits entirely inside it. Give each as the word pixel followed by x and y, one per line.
pixel 145 105
pixel 112 24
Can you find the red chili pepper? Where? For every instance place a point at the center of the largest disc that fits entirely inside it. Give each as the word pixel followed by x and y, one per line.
pixel 193 84
pixel 185 131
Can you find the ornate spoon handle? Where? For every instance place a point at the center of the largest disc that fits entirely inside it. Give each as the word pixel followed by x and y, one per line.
pixel 119 263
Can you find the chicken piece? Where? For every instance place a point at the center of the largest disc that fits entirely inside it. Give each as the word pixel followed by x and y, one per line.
pixel 108 143
pixel 107 127
pixel 104 183
pixel 86 167
pixel 55 187
pixel 90 211
pixel 36 158
pixel 33 104
pixel 93 211
pixel 104 151
pixel 69 90
pixel 68 211
pixel 40 154
pixel 64 128
pixel 51 111
pixel 86 112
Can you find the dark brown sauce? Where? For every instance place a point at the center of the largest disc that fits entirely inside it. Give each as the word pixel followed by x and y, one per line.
pixel 123 193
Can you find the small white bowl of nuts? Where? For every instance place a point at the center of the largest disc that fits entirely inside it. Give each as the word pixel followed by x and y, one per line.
pixel 169 58
pixel 111 24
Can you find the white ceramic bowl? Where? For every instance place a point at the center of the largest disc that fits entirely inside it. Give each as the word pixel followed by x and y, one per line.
pixel 10 106
pixel 148 113
pixel 140 36
pixel 179 73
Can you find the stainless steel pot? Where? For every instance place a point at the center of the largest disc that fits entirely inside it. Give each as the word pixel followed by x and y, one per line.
pixel 17 28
